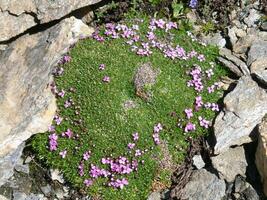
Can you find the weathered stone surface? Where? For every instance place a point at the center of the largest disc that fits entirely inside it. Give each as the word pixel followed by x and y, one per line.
pixel 215 39
pixel 18 16
pixel 257 50
pixel 202 185
pixel 227 54
pixel 261 154
pixel 243 190
pixel 154 196
pixel 8 163
pixel 259 69
pixel 144 78
pixel 242 45
pixel 12 25
pixel 264 26
pixel 27 105
pixel 198 162
pixel 244 108
pixel 232 67
pixel 230 163
pixel 252 18
pixel 232 35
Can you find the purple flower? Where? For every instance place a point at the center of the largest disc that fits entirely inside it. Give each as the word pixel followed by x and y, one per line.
pixel 190 127
pixel 189 113
pixel 150 35
pixel 193 3
pixel 118 183
pixel 201 57
pixel 135 136
pixel 67 134
pixel 88 182
pixel 58 119
pixel 131 145
pixel 157 128
pixel 198 102
pixel 63 153
pixel 137 153
pixel 81 168
pixel 53 142
pixel 66 59
pixel 87 155
pixel 101 67
pixel 61 93
pixel 106 79
pixel 67 103
pixel 51 129
pixel 203 122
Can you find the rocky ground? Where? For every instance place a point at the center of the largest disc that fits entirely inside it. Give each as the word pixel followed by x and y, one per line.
pixel 231 164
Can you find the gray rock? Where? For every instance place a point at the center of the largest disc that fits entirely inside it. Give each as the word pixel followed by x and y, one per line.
pixel 244 108
pixel 243 43
pixel 215 39
pixel 252 18
pixel 259 69
pixel 230 163
pixel 243 190
pixel 154 196
pixel 22 168
pixel 56 175
pixel 3 197
pixel 202 185
pixel 264 26
pixel 27 105
pixel 232 67
pixel 227 54
pixel 261 154
pixel 144 78
pixel 198 162
pixel 46 190
pixel 257 50
pixel 232 35
pixel 263 35
pixel 18 16
pixel 8 163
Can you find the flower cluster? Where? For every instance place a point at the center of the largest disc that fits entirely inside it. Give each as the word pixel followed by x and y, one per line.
pixel 53 141
pixel 196 82
pixel 157 129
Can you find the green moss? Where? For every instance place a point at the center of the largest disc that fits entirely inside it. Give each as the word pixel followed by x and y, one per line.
pixel 107 127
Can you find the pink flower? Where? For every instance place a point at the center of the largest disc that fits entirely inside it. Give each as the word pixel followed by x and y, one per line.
pixel 157 128
pixel 101 67
pixel 67 134
pixel 87 155
pixel 63 153
pixel 201 57
pixel 53 142
pixel 198 102
pixel 81 168
pixel 67 103
pixel 61 93
pixel 88 182
pixel 135 136
pixel 131 145
pixel 106 79
pixel 203 122
pixel 118 183
pixel 190 127
pixel 58 119
pixel 189 113
pixel 51 129
pixel 150 35
pixel 137 153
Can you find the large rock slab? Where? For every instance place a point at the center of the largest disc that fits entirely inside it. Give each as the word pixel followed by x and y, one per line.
pixel 261 154
pixel 244 108
pixel 257 50
pixel 27 105
pixel 202 185
pixel 230 163
pixel 17 16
